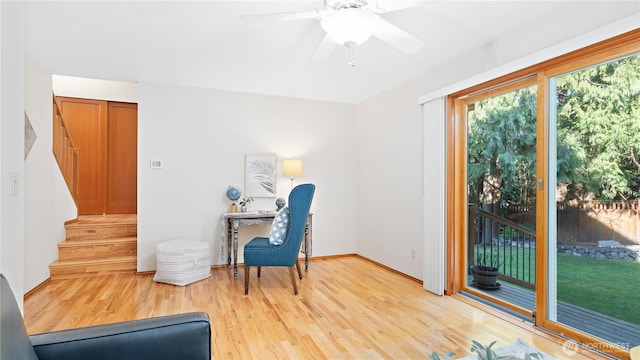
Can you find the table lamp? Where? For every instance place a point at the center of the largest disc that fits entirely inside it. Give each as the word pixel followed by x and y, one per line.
pixel 292 168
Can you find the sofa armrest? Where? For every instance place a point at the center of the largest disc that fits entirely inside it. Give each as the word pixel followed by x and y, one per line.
pixel 183 336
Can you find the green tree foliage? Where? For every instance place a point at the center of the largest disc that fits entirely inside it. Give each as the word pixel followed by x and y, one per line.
pixel 502 148
pixel 599 130
pixel 598 137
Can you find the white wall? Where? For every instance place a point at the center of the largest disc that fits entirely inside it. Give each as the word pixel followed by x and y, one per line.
pixel 48 203
pixel 389 133
pixel 12 87
pixel 202 136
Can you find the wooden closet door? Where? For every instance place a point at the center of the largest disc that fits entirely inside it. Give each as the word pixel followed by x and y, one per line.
pixel 86 121
pixel 122 158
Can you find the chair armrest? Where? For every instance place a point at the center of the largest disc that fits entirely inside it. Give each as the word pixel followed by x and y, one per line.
pixel 183 336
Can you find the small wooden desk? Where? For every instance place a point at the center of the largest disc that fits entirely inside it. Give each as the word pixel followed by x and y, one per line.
pixel 233 221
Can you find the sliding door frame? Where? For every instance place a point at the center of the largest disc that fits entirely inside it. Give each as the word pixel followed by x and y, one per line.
pixel 616 47
pixel 461 106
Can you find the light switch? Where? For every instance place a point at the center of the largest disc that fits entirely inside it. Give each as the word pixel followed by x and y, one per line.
pixel 156 164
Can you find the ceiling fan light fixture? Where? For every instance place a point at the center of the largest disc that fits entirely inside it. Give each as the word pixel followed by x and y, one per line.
pixel 350 26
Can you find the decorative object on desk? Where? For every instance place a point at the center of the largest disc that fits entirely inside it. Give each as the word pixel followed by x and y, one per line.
pixel 233 194
pixel 280 203
pixel 279 227
pixel 260 175
pixel 292 168
pixel 245 202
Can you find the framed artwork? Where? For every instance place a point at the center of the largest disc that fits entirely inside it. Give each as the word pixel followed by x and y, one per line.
pixel 260 175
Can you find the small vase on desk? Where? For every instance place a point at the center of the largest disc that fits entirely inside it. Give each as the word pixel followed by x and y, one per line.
pixel 233 208
pixel 243 208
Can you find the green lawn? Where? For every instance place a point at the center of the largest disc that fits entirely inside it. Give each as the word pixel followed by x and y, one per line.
pixel 610 287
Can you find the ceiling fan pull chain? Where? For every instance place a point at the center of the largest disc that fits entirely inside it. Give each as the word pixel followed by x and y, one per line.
pixel 352 60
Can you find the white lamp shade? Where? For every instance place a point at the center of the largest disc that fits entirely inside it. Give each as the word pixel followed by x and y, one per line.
pixel 350 27
pixel 292 168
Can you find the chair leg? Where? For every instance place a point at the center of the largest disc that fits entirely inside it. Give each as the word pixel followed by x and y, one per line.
pixel 259 271
pixel 247 271
pixel 298 268
pixel 293 281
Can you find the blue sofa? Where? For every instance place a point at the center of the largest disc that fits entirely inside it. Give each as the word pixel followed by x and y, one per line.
pixel 183 336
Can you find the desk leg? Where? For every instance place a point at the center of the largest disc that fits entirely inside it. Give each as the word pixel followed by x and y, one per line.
pixel 229 239
pixel 306 249
pixel 235 248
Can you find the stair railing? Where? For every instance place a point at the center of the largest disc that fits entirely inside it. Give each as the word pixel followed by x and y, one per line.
pixel 513 245
pixel 65 152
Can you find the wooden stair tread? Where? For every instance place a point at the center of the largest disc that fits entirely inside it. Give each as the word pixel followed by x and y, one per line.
pixel 105 219
pixel 97 245
pixel 86 232
pixel 95 249
pixel 105 224
pixel 110 260
pixel 102 241
pixel 80 268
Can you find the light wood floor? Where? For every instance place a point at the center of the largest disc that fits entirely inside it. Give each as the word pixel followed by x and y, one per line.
pixel 348 308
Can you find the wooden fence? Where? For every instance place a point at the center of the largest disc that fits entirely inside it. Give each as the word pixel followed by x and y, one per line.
pixel 589 221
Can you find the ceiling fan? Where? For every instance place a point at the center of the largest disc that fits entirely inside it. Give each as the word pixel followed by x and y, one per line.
pixel 351 23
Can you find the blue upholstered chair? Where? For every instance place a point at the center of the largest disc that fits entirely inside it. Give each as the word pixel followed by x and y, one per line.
pixel 259 252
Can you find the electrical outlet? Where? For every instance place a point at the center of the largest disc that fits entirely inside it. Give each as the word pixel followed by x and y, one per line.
pixel 14 183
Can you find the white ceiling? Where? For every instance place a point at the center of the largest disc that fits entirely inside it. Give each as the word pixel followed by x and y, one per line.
pixel 204 43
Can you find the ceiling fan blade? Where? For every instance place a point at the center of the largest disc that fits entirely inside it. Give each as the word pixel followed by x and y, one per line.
pixel 398 38
pixel 325 49
pixel 314 14
pixel 395 5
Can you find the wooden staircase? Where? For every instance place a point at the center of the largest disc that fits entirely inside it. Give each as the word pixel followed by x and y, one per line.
pixel 97 245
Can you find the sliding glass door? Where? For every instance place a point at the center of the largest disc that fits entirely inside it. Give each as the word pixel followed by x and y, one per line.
pixel 594 201
pixel 501 194
pixel 545 179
